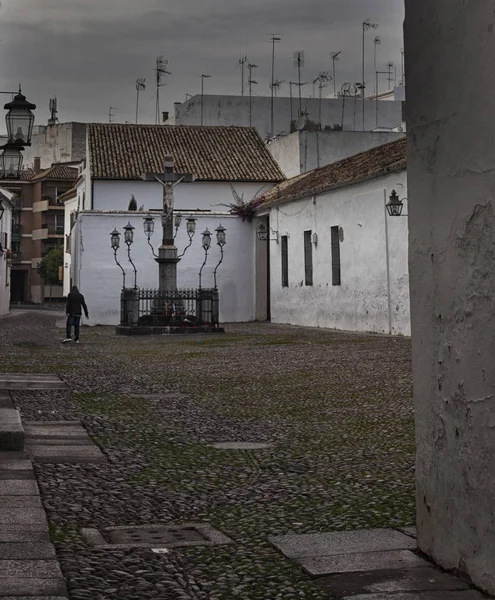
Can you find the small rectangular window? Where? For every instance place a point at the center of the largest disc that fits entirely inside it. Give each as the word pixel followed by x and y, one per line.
pixel 335 255
pixel 285 261
pixel 308 258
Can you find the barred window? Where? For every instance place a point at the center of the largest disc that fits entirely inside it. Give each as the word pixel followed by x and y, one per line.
pixel 308 258
pixel 285 261
pixel 335 255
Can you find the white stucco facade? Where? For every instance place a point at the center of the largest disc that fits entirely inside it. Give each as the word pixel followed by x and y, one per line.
pixel 374 291
pixel 5 236
pixel 234 110
pixel 303 151
pixel 100 279
pixel 451 158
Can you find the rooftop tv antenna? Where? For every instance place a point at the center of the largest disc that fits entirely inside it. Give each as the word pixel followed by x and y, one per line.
pixel 376 42
pixel 274 39
pixel 390 68
pixel 203 77
pixel 251 82
pixel 299 64
pixel 140 85
pixel 402 78
pixel 111 114
pixel 275 86
pixel 242 62
pixel 335 58
pixel 161 70
pixel 323 79
pixel 53 111
pixel 367 25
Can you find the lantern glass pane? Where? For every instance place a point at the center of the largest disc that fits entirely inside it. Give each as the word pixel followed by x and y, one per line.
pixel 11 163
pixel 19 122
pixel 149 225
pixel 206 239
pixel 191 226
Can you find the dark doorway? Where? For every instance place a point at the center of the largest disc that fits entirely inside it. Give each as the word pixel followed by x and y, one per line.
pixel 18 286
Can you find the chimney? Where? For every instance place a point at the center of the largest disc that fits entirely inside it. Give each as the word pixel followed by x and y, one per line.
pixel 37 165
pixel 164 117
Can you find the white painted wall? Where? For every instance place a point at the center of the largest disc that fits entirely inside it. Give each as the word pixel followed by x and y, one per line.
pixel 451 159
pixel 303 151
pixel 100 280
pixel 5 227
pixel 200 195
pixel 234 110
pixel 63 142
pixel 363 301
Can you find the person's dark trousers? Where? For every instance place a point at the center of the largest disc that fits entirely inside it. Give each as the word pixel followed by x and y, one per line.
pixel 73 321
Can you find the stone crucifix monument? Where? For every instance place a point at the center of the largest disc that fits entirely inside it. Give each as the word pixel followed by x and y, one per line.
pixel 167 253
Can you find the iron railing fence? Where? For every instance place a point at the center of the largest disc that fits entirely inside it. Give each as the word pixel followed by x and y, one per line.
pixel 178 308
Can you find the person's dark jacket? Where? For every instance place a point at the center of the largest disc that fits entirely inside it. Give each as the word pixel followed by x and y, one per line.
pixel 76 304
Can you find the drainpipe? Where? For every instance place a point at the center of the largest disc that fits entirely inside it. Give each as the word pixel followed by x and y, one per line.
pixel 388 263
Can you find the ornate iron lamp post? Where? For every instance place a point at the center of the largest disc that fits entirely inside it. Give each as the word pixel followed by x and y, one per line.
pixel 177 222
pixel 11 161
pixel 128 239
pixel 206 243
pixel 149 228
pixel 20 120
pixel 191 230
pixel 115 245
pixel 221 240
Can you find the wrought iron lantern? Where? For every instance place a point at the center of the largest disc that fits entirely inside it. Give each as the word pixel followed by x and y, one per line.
pixel 149 226
pixel 115 240
pixel 11 161
pixel 128 234
pixel 262 233
pixel 221 235
pixel 20 120
pixel 206 242
pixel 177 220
pixel 2 209
pixel 191 226
pixel 395 205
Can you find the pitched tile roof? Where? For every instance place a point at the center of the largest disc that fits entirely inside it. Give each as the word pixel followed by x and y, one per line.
pixel 210 153
pixel 369 164
pixel 57 171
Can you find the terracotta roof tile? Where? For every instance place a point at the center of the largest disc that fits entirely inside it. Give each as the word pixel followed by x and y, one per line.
pixel 371 163
pixel 57 172
pixel 209 153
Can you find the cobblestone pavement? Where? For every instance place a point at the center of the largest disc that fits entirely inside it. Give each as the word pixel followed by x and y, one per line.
pixel 335 408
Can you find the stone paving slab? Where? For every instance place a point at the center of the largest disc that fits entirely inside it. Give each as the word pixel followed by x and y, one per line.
pixel 30 569
pixel 11 430
pixel 55 430
pixel 21 515
pixel 8 535
pixel 31 381
pixel 15 464
pixel 58 441
pixel 62 454
pixel 240 445
pixel 342 542
pixel 33 597
pixel 8 455
pixel 418 579
pixel 4 475
pixel 367 561
pixel 12 586
pixel 26 551
pixel 444 595
pixel 21 502
pixel 18 488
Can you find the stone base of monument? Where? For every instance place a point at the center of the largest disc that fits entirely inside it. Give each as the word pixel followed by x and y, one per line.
pixel 157 330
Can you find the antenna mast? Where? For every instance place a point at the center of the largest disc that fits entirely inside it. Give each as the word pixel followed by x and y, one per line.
pixel 390 66
pixel 111 114
pixel 53 111
pixel 335 57
pixel 274 39
pixel 367 25
pixel 299 63
pixel 276 86
pixel 242 62
pixel 140 85
pixel 161 69
pixel 251 83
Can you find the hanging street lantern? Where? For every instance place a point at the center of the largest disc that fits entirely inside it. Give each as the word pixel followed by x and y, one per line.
pixel 221 235
pixel 395 205
pixel 11 161
pixel 128 234
pixel 115 240
pixel 177 220
pixel 206 241
pixel 149 226
pixel 191 226
pixel 20 120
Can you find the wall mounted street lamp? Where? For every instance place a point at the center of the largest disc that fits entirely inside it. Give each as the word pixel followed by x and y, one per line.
pixel 395 205
pixel 177 222
pixel 264 234
pixel 149 228
pixel 115 245
pixel 206 243
pixel 19 120
pixel 2 209
pixel 191 230
pixel 128 239
pixel 221 240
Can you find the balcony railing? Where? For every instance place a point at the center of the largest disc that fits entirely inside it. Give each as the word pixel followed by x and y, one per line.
pixel 16 231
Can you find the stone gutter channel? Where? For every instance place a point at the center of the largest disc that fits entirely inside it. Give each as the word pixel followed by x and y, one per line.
pixel 28 564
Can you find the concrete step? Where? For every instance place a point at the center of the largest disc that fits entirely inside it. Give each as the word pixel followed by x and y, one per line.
pixel 11 430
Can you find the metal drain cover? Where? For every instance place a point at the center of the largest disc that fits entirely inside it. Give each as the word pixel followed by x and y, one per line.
pixel 155 536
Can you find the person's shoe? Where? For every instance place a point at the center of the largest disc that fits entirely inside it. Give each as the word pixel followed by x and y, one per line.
pixel 76 341
pixel 66 340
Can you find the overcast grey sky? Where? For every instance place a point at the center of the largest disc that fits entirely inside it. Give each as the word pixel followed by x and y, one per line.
pixel 89 52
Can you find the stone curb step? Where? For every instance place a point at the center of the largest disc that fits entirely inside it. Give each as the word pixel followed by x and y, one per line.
pixel 11 429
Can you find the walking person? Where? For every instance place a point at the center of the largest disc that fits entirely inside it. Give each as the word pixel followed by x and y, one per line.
pixel 75 306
